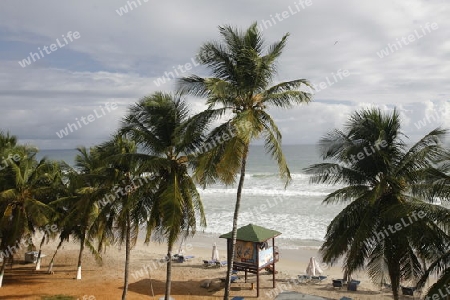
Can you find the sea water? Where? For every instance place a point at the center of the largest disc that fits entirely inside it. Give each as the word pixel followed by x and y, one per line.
pixel 296 211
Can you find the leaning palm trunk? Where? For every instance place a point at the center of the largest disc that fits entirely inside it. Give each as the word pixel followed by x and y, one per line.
pixel 394 273
pixel 127 258
pixel 235 220
pixel 2 271
pixel 80 255
pixel 169 272
pixel 38 261
pixel 394 269
pixel 50 267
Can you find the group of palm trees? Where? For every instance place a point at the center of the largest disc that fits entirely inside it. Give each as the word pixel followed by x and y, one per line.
pixel 151 166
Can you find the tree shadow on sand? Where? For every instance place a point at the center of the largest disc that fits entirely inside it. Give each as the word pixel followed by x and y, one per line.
pixel 187 287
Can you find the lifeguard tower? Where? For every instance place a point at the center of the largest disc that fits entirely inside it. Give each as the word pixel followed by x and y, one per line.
pixel 253 251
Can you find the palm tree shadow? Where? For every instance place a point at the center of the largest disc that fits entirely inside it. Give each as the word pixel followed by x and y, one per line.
pixel 187 287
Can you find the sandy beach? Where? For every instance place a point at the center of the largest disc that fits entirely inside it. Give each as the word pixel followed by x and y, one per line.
pixel 147 275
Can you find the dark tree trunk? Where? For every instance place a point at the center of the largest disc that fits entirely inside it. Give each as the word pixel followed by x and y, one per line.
pixel 38 261
pixel 127 258
pixel 50 267
pixel 393 264
pixel 235 220
pixel 80 255
pixel 169 272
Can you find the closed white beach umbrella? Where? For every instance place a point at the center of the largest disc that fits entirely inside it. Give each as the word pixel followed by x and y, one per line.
pixel 215 253
pixel 313 268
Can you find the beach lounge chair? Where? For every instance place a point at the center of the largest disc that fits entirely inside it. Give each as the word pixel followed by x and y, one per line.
pixel 221 263
pixel 304 278
pixel 408 291
pixel 352 285
pixel 338 283
pixel 345 298
pixel 209 263
pixel 183 258
pixel 214 263
pixel 237 298
pixel 318 278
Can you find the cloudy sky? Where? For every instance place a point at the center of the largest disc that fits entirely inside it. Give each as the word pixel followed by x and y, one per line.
pixel 61 61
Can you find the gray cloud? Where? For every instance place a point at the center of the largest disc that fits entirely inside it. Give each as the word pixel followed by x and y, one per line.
pixel 118 58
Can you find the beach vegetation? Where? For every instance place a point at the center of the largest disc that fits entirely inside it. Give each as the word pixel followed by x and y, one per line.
pixel 390 227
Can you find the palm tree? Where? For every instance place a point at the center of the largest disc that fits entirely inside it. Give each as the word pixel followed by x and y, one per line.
pixel 82 205
pixel 243 70
pixel 160 125
pixel 129 208
pixel 63 237
pixel 388 223
pixel 439 179
pixel 54 180
pixel 23 199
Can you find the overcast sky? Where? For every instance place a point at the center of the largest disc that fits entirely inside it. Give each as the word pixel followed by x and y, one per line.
pixel 394 53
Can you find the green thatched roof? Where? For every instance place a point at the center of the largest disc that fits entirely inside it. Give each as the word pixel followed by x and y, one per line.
pixel 252 233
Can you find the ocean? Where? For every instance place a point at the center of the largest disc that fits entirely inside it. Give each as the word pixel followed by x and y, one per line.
pixel 297 211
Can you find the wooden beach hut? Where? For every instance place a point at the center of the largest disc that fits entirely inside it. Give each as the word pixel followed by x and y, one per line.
pixel 253 251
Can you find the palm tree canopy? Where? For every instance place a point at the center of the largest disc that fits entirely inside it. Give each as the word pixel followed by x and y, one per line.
pixel 381 176
pixel 242 69
pixel 161 126
pixel 29 186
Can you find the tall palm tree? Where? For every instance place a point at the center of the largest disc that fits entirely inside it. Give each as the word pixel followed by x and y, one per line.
pixel 23 199
pixel 388 223
pixel 55 181
pixel 243 69
pixel 87 187
pixel 160 125
pixel 130 207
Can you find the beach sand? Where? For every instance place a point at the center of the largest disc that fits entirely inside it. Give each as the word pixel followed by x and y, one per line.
pixel 148 272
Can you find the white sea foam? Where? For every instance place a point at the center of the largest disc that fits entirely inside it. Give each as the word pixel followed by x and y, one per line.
pixel 265 192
